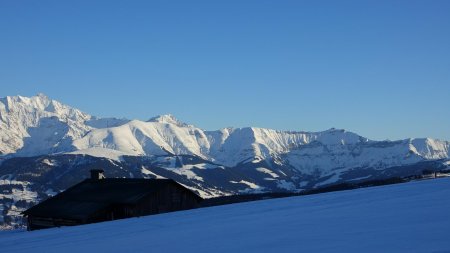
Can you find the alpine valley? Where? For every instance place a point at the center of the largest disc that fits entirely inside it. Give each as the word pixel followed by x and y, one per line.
pixel 46 146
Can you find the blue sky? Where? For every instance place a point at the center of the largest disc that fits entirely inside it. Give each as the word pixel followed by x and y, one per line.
pixel 377 68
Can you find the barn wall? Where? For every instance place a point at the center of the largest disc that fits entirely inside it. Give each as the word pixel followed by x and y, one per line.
pixel 167 199
pixel 47 222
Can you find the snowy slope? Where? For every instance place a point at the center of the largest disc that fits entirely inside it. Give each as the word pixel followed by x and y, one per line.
pixel 410 217
pixel 26 122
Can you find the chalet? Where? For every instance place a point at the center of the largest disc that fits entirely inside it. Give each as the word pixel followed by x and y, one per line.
pixel 102 199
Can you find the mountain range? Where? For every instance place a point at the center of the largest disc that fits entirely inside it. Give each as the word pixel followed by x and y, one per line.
pixel 46 146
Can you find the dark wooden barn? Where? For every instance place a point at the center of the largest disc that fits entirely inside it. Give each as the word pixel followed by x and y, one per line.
pixel 102 199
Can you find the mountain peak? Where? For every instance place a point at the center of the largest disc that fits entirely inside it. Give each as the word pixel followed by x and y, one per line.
pixel 167 119
pixel 38 102
pixel 42 95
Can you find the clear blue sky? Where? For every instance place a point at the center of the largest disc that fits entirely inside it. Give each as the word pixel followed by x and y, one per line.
pixel 377 68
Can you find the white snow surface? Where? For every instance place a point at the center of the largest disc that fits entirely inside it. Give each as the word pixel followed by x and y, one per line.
pixel 249 184
pixel 101 152
pixel 409 217
pixel 267 171
pixel 283 184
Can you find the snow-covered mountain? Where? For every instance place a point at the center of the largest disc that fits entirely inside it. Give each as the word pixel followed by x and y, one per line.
pixel 46 146
pixel 39 125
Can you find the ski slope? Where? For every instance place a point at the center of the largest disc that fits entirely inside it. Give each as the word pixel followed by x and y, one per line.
pixel 410 217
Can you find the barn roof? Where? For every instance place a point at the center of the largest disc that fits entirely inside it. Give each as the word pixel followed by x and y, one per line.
pixel 89 196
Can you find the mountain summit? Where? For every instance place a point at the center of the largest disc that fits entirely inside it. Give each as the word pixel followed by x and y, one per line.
pixel 168 119
pixel 38 125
